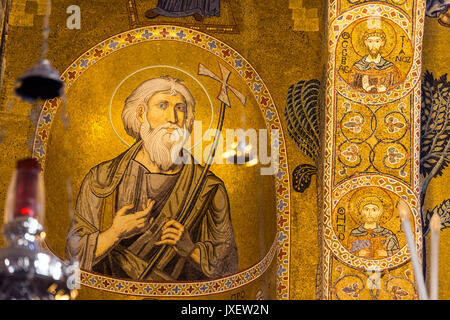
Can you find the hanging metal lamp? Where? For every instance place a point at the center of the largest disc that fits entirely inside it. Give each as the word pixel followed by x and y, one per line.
pixel 41 81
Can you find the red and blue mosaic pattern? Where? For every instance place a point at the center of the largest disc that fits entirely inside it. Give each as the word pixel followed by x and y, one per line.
pixel 180 289
pixel 281 246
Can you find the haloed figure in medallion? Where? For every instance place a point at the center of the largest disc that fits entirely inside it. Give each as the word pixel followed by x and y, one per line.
pixel 370 240
pixel 373 73
pixel 127 207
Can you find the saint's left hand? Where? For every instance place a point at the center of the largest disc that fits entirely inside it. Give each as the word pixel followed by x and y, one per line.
pixel 382 253
pixel 174 234
pixel 381 88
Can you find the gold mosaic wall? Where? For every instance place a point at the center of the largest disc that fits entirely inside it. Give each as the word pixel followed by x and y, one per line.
pixel 282 44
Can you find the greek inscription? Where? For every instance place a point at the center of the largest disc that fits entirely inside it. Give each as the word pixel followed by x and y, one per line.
pixel 340 223
pixel 238 296
pixel 344 53
pixel 405 59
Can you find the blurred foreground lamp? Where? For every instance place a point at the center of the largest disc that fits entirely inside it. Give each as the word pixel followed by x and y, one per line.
pixel 27 271
pixel 41 81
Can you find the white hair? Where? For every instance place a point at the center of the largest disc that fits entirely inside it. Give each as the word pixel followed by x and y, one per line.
pixel 163 146
pixel 142 95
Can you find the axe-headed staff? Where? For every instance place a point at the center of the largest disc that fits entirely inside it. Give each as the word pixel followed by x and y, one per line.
pixel 189 204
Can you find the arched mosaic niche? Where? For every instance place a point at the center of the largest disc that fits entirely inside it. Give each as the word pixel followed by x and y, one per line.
pixel 97 84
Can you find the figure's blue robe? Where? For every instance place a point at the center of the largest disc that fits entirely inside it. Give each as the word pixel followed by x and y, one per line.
pixel 184 8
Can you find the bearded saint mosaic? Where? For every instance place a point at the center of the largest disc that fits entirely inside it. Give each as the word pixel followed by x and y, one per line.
pixel 126 208
pixel 373 73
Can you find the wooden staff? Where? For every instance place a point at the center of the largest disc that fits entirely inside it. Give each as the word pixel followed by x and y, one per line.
pixel 189 204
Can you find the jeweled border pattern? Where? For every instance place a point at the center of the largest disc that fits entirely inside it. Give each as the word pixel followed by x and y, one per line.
pixel 184 289
pixel 271 118
pixel 394 15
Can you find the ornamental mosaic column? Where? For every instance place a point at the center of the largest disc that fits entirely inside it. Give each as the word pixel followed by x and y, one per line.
pixel 370 148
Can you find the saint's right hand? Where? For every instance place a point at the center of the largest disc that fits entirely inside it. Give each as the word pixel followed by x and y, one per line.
pixel 364 253
pixel 126 225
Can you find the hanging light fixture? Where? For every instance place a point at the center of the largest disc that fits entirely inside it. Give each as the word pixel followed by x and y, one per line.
pixel 41 81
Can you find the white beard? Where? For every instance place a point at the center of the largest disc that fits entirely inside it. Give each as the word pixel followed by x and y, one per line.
pixel 163 146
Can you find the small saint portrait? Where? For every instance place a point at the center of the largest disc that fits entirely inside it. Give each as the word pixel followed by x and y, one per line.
pixel 373 73
pixel 370 239
pixel 128 207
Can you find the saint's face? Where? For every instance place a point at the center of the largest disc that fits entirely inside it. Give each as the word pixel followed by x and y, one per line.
pixel 371 213
pixel 165 108
pixel 374 45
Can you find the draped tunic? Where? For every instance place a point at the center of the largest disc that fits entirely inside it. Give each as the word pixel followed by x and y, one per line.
pixel 115 183
pixel 374 240
pixel 184 8
pixel 379 73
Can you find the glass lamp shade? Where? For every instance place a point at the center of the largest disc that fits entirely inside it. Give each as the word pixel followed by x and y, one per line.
pixel 26 194
pixel 27 271
pixel 39 82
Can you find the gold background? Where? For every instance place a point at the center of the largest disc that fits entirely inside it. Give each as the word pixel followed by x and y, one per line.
pixel 266 39
pixel 90 139
pixel 435 55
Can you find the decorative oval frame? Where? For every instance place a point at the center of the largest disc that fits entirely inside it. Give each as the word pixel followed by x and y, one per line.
pixel 360 12
pixel 281 244
pixel 390 184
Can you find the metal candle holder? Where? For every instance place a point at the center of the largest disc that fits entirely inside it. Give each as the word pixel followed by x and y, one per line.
pixel 27 272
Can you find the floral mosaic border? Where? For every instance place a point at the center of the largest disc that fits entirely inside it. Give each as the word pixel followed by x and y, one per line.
pixel 265 102
pixel 410 87
pixel 179 289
